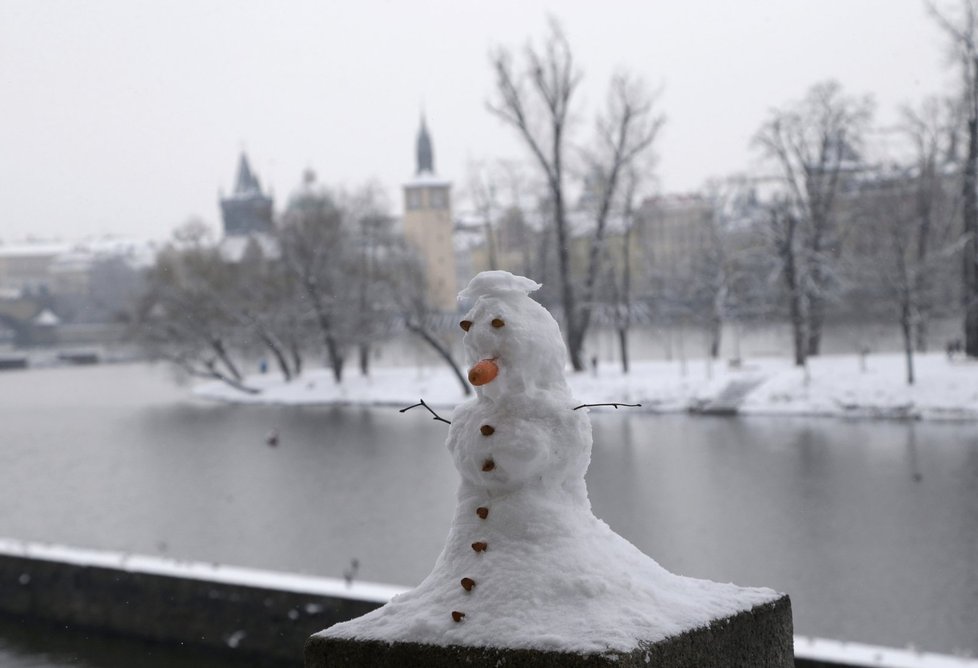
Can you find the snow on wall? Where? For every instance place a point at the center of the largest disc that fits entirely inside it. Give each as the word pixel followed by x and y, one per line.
pixel 806 648
pixel 859 654
pixel 195 570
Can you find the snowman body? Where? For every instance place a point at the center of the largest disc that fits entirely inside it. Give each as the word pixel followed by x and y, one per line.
pixel 526 563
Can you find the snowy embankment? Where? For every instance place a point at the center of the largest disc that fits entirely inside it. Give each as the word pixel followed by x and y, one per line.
pixel 835 386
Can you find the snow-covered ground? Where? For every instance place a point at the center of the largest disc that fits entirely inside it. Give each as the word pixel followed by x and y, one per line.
pixel 835 386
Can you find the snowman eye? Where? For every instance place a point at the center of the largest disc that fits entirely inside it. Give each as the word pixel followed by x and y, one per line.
pixel 497 323
pixel 465 324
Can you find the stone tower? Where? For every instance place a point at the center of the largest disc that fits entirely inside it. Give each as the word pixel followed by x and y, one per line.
pixel 248 209
pixel 428 224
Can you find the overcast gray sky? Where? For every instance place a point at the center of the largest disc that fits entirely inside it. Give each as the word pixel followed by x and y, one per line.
pixel 126 116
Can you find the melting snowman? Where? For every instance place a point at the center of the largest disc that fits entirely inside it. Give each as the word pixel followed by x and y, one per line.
pixel 527 565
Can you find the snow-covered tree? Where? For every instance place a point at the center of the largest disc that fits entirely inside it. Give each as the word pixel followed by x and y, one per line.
pixel 264 301
pixel 724 277
pixel 932 130
pixel 909 251
pixel 813 146
pixel 625 133
pixel 317 248
pixel 783 232
pixel 183 318
pixel 402 276
pixel 961 28
pixel 538 101
pixel 373 239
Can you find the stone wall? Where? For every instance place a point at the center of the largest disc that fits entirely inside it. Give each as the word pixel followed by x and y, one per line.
pixel 266 617
pixel 256 622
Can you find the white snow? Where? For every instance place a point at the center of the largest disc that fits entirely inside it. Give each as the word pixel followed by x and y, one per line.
pixel 860 654
pixel 945 389
pixel 426 178
pixel 81 254
pixel 196 570
pixel 38 249
pixel 232 248
pixel 46 318
pixel 526 563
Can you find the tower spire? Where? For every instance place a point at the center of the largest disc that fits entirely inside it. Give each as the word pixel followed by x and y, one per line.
pixel 247 182
pixel 425 153
pixel 247 209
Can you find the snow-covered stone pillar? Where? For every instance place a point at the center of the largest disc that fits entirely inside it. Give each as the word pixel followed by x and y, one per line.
pixel 529 576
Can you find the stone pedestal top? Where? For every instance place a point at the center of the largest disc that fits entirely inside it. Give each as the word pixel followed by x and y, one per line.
pixel 757 638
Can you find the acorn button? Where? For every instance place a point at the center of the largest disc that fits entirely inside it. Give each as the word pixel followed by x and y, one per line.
pixel 482 512
pixel 487 430
pixel 458 616
pixel 467 584
pixel 488 465
pixel 480 546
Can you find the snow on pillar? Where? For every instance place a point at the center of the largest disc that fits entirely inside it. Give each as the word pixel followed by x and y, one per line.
pixel 529 574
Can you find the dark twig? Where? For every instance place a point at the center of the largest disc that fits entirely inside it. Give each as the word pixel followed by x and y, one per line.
pixel 615 405
pixel 422 403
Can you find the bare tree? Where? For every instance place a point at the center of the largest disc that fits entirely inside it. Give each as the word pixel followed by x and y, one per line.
pixel 180 318
pixel 932 131
pixel 403 276
pixel 724 256
pixel 909 250
pixel 536 101
pixel 263 301
pixel 622 282
pixel 315 243
pixel 783 230
pixel 625 132
pixel 482 193
pixel 516 237
pixel 962 32
pixel 372 238
pixel 814 144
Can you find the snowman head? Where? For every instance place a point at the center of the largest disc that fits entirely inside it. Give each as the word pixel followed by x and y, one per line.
pixel 512 344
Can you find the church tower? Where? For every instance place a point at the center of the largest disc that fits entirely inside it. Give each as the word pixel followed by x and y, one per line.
pixel 428 224
pixel 248 209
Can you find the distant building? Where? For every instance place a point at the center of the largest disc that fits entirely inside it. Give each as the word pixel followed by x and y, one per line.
pixel 428 224
pixel 672 229
pixel 25 269
pixel 248 210
pixel 71 285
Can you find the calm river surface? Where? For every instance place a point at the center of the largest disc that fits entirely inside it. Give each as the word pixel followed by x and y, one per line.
pixel 871 527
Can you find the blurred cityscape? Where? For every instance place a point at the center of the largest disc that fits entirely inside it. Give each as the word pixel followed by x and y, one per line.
pixel 828 236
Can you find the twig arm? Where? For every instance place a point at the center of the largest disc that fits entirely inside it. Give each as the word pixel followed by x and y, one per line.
pixel 422 403
pixel 615 405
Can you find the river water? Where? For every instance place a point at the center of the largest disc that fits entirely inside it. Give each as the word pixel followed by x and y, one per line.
pixel 871 527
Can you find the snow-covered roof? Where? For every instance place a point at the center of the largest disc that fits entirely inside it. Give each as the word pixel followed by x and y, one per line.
pixel 426 179
pixel 76 255
pixel 73 261
pixel 232 248
pixel 47 249
pixel 46 318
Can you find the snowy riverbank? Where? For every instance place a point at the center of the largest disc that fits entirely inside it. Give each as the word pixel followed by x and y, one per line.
pixel 836 386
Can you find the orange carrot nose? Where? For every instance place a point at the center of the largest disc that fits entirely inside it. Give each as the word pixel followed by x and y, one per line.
pixel 483 372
